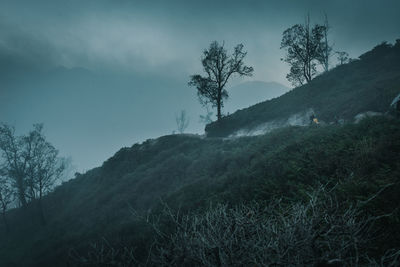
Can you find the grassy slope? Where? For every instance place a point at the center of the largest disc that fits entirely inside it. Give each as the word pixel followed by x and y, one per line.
pixel 368 84
pixel 191 172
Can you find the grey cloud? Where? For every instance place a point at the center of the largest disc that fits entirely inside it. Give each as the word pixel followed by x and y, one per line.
pixel 155 35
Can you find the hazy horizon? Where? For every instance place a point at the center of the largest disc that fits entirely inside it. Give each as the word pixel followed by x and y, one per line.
pixel 102 75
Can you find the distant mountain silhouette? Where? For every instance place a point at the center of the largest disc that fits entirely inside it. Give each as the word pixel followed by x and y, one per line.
pixel 95 101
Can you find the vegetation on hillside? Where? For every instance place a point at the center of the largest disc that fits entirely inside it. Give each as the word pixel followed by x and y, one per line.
pixel 219 67
pixel 306 47
pixel 323 231
pixel 29 168
pixel 367 84
pixel 190 174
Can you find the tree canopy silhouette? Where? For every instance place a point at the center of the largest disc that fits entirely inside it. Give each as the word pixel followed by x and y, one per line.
pixel 305 47
pixel 30 164
pixel 219 67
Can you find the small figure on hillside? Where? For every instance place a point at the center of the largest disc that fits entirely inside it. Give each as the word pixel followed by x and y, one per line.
pixel 312 117
pixel 313 120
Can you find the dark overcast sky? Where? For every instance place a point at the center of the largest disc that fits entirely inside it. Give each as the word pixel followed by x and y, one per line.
pixel 106 74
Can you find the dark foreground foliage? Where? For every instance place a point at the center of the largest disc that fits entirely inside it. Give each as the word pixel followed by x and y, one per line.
pixel 323 231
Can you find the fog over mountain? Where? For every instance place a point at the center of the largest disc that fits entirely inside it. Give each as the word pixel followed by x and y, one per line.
pixel 105 74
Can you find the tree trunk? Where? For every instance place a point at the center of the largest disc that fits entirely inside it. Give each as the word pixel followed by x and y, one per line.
pixel 22 199
pixel 41 212
pixel 4 209
pixel 219 105
pixel 5 220
pixel 219 111
pixel 21 192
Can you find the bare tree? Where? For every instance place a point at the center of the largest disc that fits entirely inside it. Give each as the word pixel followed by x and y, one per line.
pixel 45 166
pixel 303 45
pixel 6 197
pixel 44 169
pixel 182 121
pixel 206 119
pixel 16 155
pixel 31 164
pixel 342 57
pixel 219 67
pixel 326 48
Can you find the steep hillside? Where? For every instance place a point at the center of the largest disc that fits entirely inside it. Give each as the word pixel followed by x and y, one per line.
pixel 367 84
pixel 248 94
pixel 190 173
